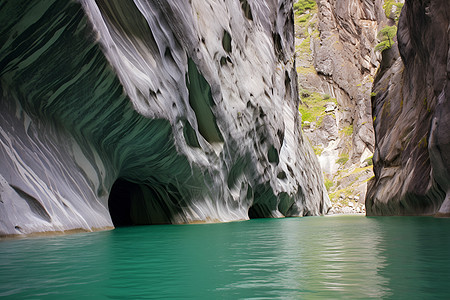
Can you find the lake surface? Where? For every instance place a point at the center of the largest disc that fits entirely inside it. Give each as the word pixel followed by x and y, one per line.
pixel 295 258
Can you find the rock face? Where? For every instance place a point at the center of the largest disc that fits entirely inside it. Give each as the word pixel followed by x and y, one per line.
pixel 412 116
pixel 148 112
pixel 345 61
pixel 344 57
pixel 340 37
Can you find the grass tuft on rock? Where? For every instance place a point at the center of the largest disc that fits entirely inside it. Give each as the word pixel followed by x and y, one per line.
pixel 312 106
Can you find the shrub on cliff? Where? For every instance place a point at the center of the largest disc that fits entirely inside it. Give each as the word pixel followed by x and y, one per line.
pixel 386 37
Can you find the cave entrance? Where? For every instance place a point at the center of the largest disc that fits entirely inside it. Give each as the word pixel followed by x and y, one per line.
pixel 133 204
pixel 259 211
pixel 264 202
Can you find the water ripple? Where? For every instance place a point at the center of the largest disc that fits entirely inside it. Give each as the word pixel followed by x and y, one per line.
pixel 325 257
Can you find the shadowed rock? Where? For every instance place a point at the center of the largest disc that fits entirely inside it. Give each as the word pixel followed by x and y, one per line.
pixel 411 111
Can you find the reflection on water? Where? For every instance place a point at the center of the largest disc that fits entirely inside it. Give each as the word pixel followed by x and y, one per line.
pixel 342 261
pixel 313 257
pixel 418 253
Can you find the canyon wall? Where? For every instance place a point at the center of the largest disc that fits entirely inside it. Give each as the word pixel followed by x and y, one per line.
pixel 345 59
pixel 411 112
pixel 150 112
pixel 336 64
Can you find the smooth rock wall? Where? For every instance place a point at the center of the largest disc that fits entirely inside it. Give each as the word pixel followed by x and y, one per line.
pixel 411 111
pixel 150 112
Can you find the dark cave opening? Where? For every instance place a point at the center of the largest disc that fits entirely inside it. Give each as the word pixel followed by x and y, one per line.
pixel 264 203
pixel 259 211
pixel 133 204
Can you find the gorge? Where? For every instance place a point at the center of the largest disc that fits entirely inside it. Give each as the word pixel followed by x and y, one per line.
pixel 117 113
pixel 308 120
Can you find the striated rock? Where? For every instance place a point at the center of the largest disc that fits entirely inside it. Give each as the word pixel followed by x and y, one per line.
pixel 345 61
pixel 412 116
pixel 148 112
pixel 341 68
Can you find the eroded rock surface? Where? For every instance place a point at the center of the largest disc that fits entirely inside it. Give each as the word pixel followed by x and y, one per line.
pixel 150 112
pixel 411 109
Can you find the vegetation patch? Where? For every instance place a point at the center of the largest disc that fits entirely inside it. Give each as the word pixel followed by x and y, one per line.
pixel 304 18
pixel 328 184
pixel 369 161
pixel 312 106
pixel 306 70
pixel 348 131
pixel 392 9
pixel 304 47
pixel 343 158
pixel 348 191
pixel 348 184
pixel 318 150
pixel 305 25
pixel 319 121
pixel 303 5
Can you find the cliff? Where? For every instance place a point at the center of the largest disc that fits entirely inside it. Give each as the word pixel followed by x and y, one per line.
pixel 337 62
pixel 345 60
pixel 411 116
pixel 124 113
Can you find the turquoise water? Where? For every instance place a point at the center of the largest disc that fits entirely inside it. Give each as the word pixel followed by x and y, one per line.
pixel 296 258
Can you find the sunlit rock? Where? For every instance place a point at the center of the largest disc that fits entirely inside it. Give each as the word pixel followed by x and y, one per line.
pixel 145 112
